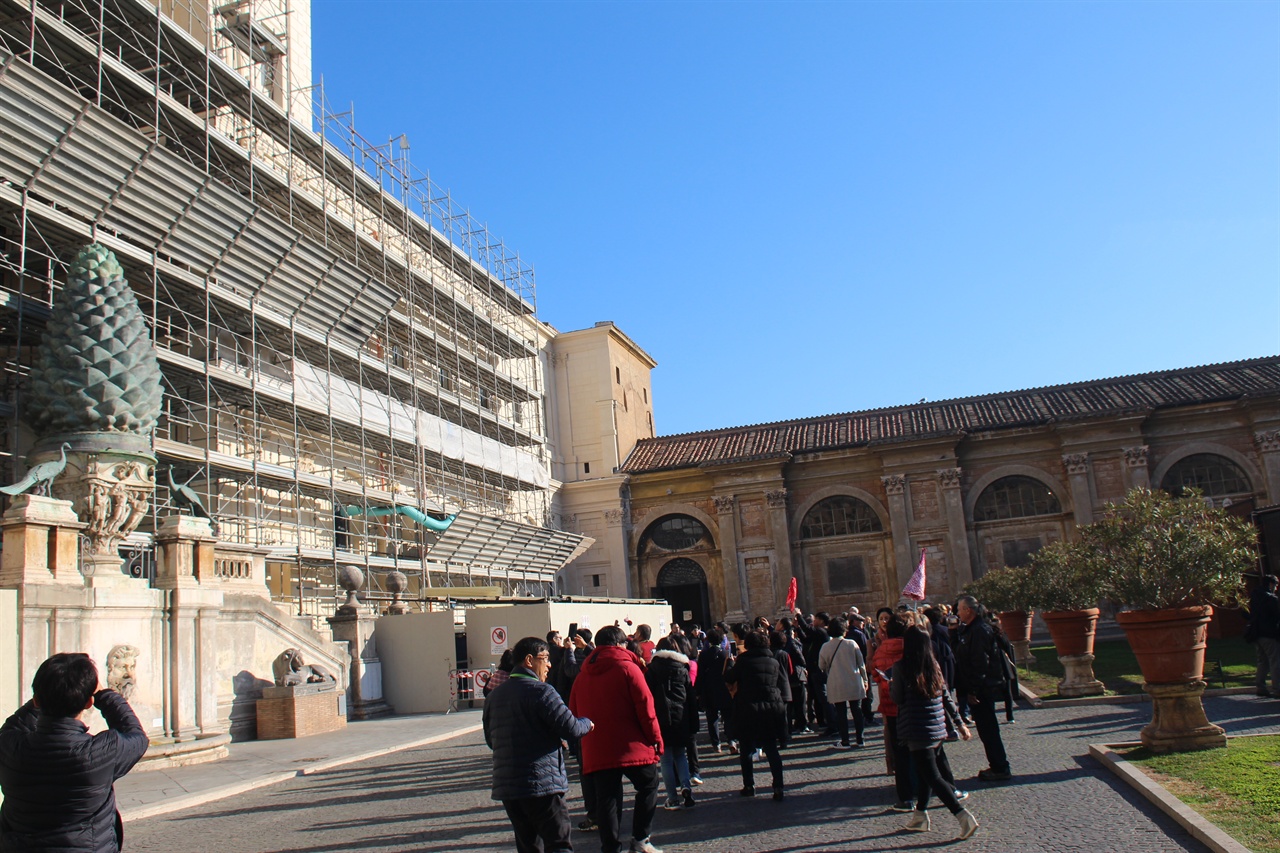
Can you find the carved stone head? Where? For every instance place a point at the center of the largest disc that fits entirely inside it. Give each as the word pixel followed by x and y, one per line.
pixel 122 669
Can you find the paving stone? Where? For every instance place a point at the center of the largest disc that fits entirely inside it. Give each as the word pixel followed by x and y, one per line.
pixel 436 798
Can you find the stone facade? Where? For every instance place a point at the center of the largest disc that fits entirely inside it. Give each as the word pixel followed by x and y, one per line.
pixel 599 404
pixel 860 507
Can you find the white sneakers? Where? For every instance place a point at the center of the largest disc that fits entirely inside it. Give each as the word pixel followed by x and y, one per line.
pixel 919 822
pixel 643 845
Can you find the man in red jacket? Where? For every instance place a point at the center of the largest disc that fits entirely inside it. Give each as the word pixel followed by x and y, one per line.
pixel 611 691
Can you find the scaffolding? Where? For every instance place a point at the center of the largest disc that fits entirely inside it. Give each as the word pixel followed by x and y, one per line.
pixel 334 329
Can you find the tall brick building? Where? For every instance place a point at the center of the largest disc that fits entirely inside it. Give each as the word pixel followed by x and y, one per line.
pixel 720 521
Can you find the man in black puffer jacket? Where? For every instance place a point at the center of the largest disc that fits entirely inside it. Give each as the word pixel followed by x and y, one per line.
pixel 980 675
pixel 524 722
pixel 58 780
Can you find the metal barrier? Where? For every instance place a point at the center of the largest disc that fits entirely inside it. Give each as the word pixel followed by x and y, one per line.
pixel 467 685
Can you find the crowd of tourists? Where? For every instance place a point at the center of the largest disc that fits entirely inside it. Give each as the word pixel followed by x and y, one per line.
pixel 629 709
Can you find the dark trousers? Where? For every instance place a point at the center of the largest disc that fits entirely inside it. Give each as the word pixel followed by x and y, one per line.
pixel 714 715
pixel 796 708
pixel 745 759
pixel 925 762
pixel 818 697
pixel 902 783
pixel 984 718
pixel 541 823
pixel 589 796
pixel 608 788
pixel 944 766
pixel 842 720
pixel 691 755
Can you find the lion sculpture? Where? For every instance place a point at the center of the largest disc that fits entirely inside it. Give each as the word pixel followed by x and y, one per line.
pixel 290 670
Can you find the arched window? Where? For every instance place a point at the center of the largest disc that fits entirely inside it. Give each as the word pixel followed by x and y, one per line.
pixel 681 572
pixel 1210 473
pixel 841 515
pixel 678 533
pixel 1015 497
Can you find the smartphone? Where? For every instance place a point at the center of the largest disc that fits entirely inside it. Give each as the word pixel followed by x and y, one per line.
pixel 573 629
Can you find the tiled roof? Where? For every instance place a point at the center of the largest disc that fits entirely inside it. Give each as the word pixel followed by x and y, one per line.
pixel 1037 406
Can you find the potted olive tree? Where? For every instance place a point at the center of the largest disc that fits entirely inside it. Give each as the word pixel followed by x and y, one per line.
pixel 1004 591
pixel 1065 588
pixel 1167 561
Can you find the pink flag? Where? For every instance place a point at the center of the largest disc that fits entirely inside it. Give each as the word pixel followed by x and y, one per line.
pixel 915 587
pixel 791 595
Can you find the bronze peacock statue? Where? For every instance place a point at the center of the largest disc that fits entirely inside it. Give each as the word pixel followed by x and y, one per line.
pixel 41 476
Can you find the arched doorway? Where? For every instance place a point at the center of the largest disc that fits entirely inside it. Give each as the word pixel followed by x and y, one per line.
pixel 683 583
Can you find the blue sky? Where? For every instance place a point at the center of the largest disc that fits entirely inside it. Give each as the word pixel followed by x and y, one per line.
pixel 806 208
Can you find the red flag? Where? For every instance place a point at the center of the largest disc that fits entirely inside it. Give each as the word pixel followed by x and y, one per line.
pixel 791 595
pixel 914 589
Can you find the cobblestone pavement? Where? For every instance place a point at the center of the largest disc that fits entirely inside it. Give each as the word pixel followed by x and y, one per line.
pixel 436 798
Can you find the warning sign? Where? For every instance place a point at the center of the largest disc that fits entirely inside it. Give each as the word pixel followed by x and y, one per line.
pixel 498 641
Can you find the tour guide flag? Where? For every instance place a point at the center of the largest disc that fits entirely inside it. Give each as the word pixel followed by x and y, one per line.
pixel 791 595
pixel 914 589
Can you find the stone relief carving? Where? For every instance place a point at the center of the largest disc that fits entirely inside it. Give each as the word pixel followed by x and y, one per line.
pixel 776 498
pixel 613 517
pixel 1268 441
pixel 724 504
pixel 1135 457
pixel 122 669
pixel 894 484
pixel 290 670
pixel 113 499
pixel 949 478
pixel 1076 463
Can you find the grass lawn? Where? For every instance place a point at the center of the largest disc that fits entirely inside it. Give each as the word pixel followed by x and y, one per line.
pixel 1236 787
pixel 1117 668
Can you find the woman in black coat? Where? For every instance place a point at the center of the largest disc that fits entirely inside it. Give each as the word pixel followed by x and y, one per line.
pixel 712 693
pixel 759 709
pixel 673 701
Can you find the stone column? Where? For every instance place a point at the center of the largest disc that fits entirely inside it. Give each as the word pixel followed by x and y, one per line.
pixel 1269 449
pixel 734 583
pixel 776 499
pixel 957 534
pixel 1136 474
pixel 364 683
pixel 185 572
pixel 40 542
pixel 895 487
pixel 1077 465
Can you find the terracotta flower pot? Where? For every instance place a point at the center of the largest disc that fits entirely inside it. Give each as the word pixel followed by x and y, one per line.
pixel 1169 644
pixel 1017 625
pixel 1072 630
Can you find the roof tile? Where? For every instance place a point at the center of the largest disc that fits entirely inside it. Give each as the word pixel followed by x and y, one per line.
pixel 1098 398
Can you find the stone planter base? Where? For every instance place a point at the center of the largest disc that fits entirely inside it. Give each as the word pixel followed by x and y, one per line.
pixel 1022 653
pixel 1178 722
pixel 1079 679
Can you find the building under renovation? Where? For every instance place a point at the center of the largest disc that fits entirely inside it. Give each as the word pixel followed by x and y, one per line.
pixel 350 359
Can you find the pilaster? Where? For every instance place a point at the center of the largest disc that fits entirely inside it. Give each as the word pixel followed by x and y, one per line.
pixel 895 488
pixel 1077 465
pixel 957 535
pixel 734 582
pixel 1268 442
pixel 776 500
pixel 1136 474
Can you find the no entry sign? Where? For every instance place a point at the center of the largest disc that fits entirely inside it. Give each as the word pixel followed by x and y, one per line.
pixel 498 640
